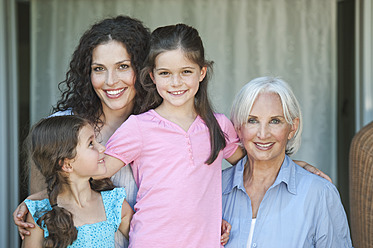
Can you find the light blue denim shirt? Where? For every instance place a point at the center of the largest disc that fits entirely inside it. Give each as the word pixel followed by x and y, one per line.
pixel 300 209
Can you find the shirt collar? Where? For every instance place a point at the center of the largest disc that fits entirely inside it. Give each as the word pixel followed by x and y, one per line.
pixel 285 175
pixel 237 176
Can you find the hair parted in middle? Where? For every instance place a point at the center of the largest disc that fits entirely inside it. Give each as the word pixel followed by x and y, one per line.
pixel 77 91
pixel 186 38
pixel 245 98
pixel 50 142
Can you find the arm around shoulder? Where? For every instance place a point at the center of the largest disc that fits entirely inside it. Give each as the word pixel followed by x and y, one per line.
pixel 36 238
pixel 312 169
pixel 236 156
pixel 20 214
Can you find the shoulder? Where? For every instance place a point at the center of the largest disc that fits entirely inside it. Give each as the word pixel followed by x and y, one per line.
pixel 37 205
pixel 227 178
pixel 38 208
pixel 233 176
pixel 228 173
pixel 62 113
pixel 225 124
pixel 221 118
pixel 315 184
pixel 140 119
pixel 113 201
pixel 114 198
pixel 114 194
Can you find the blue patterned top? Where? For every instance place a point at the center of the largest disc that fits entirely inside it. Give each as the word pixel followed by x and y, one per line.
pixel 100 234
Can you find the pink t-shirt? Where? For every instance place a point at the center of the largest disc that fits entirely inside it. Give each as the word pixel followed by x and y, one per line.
pixel 179 198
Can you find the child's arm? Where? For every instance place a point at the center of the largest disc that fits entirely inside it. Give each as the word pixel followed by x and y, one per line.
pixel 21 211
pixel 37 235
pixel 236 156
pixel 113 165
pixel 127 213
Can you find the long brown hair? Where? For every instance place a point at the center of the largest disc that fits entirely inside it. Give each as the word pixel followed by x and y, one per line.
pixel 50 142
pixel 183 37
pixel 77 91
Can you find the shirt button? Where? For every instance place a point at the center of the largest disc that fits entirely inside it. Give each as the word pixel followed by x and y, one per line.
pixel 254 245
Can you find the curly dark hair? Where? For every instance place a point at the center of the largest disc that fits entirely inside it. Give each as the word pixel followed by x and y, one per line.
pixel 50 142
pixel 187 39
pixel 77 91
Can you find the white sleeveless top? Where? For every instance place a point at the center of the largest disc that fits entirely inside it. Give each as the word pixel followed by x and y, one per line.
pixel 250 239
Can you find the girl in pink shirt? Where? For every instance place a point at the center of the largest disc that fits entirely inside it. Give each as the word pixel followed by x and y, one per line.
pixel 176 147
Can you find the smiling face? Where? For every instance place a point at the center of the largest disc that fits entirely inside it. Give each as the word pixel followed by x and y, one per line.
pixel 266 132
pixel 89 160
pixel 177 79
pixel 113 77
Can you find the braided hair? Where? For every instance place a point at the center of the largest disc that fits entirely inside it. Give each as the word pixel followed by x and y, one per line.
pixel 50 142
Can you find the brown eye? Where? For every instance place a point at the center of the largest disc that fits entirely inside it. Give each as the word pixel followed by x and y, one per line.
pixel 164 73
pixel 124 66
pixel 98 69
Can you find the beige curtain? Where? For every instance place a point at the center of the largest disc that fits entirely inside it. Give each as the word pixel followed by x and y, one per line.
pixel 364 63
pixel 9 171
pixel 294 39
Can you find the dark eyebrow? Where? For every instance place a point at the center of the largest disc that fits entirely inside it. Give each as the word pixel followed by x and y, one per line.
pixel 189 67
pixel 183 68
pixel 117 63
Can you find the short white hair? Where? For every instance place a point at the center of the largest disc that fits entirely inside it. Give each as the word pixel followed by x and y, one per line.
pixel 246 97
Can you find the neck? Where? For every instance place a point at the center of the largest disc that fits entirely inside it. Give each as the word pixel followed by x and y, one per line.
pixel 262 172
pixel 112 120
pixel 183 117
pixel 77 193
pixel 172 112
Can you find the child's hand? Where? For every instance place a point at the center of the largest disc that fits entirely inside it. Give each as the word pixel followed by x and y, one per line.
pixel 19 216
pixel 225 230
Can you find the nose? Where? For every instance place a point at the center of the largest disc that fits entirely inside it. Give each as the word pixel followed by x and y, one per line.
pixel 112 78
pixel 176 80
pixel 263 131
pixel 101 148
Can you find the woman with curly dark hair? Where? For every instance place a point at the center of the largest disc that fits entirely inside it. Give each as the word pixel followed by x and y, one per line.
pixel 102 85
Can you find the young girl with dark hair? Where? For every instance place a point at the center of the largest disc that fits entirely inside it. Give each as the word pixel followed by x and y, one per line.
pixel 175 148
pixel 79 211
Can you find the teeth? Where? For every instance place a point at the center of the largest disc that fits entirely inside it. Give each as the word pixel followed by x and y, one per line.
pixel 101 160
pixel 178 92
pixel 114 92
pixel 264 145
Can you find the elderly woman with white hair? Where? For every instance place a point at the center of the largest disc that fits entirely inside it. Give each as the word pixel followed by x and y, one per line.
pixel 268 199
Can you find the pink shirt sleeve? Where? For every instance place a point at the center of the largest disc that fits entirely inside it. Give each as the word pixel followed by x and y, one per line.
pixel 231 135
pixel 126 143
